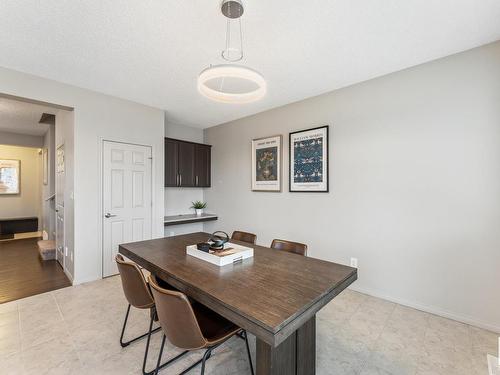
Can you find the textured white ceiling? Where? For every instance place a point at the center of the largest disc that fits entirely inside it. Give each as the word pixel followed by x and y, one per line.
pixel 22 118
pixel 152 51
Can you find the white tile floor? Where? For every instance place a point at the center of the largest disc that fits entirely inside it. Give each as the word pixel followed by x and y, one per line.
pixel 76 330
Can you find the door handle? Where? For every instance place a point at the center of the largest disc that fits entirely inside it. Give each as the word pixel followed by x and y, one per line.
pixel 108 215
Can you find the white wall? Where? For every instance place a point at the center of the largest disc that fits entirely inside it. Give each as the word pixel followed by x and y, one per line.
pixel 178 200
pixel 28 202
pixel 96 117
pixel 64 137
pixel 414 179
pixel 25 140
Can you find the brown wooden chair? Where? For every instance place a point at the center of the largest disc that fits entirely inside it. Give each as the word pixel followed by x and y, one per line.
pixel 291 247
pixel 191 326
pixel 244 236
pixel 138 294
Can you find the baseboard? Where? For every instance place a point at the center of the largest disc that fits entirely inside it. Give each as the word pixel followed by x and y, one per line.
pixel 85 280
pixel 70 277
pixel 430 309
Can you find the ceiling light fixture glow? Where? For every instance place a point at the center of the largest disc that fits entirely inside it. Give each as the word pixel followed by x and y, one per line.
pixel 232 83
pixel 221 76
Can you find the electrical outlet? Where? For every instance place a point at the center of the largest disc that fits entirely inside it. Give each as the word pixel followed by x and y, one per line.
pixel 354 262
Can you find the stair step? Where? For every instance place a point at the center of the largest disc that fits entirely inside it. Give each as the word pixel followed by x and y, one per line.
pixel 47 249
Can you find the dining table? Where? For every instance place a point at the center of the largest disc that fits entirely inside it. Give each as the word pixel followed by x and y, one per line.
pixel 274 295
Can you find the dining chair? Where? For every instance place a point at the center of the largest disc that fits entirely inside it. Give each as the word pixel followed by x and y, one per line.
pixel 138 294
pixel 244 236
pixel 290 246
pixel 191 326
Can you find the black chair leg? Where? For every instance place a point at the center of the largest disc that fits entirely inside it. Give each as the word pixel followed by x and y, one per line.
pixel 159 355
pixel 147 347
pixel 124 344
pixel 248 351
pixel 205 357
pixel 127 343
pixel 158 365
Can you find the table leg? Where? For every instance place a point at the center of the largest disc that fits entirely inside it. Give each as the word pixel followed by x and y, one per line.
pixel 295 355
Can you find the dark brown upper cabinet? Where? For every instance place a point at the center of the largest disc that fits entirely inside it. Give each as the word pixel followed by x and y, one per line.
pixel 187 164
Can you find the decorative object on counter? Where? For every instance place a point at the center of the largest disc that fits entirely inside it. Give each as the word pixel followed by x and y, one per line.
pixel 199 206
pixel 203 246
pixel 10 175
pixel 309 160
pixel 230 253
pixel 266 164
pixel 217 240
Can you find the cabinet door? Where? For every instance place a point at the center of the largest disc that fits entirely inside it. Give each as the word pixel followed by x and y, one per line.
pixel 202 165
pixel 186 164
pixel 171 162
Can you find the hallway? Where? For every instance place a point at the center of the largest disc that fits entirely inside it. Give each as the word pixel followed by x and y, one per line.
pixel 23 273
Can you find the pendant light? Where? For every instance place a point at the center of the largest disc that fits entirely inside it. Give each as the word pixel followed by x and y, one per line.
pixel 231 83
pixel 233 10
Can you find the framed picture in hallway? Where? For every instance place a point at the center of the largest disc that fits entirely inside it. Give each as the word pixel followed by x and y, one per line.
pixel 266 164
pixel 10 176
pixel 309 160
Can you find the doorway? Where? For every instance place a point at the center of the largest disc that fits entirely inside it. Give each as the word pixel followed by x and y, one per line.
pixel 28 219
pixel 127 198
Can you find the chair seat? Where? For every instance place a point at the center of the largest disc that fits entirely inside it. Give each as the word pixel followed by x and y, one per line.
pixel 214 327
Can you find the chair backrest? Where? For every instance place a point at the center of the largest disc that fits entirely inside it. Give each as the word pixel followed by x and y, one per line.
pixel 134 284
pixel 291 247
pixel 177 318
pixel 244 236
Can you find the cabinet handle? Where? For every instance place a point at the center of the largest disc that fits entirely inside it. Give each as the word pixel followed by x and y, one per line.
pixel 180 179
pixel 196 180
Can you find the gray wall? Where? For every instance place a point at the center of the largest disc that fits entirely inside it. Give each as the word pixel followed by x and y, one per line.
pixel 64 136
pixel 414 179
pixel 48 207
pixel 24 140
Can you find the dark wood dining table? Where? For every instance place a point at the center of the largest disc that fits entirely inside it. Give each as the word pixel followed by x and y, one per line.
pixel 274 295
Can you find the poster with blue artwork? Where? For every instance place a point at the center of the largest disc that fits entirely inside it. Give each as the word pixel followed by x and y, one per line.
pixel 309 160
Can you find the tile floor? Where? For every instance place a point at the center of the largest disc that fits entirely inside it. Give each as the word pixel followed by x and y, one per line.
pixel 75 330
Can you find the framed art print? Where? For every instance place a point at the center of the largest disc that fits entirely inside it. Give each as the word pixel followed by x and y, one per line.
pixel 10 175
pixel 266 164
pixel 309 160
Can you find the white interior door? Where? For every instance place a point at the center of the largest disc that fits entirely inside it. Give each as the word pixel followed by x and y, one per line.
pixel 127 204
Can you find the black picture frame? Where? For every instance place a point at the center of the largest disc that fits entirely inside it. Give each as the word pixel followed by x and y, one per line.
pixel 291 159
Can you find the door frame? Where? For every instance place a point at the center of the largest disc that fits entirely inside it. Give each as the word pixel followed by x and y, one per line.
pixel 100 235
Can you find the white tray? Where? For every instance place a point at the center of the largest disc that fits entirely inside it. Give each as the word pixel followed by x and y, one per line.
pixel 243 252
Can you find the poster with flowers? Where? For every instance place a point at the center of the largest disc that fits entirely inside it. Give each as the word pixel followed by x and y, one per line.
pixel 266 164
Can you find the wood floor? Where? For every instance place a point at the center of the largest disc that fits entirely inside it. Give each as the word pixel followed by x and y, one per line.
pixel 23 273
